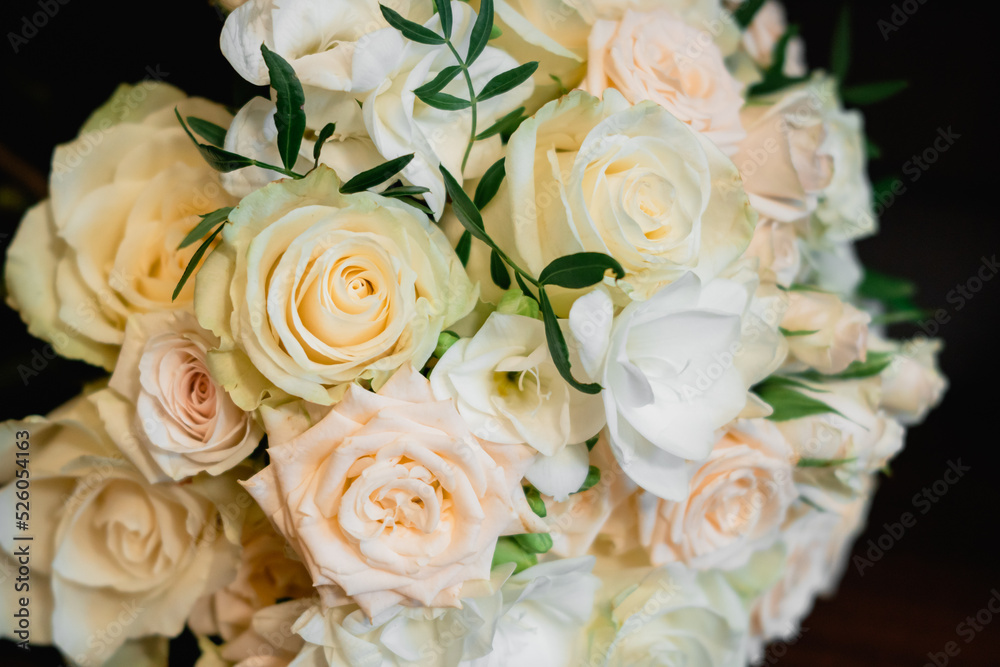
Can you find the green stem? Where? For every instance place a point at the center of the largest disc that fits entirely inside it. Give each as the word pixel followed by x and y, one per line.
pixel 280 170
pixel 472 100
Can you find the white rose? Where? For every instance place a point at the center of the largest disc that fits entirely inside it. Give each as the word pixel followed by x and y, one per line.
pixel 344 53
pixel 631 181
pixel 162 407
pixel 738 502
pixel 831 266
pixel 676 369
pixel 913 383
pixel 845 209
pixel 508 390
pixel 840 331
pixel 311 290
pixel 674 616
pixel 116 550
pixel 776 245
pixel 658 57
pixel 105 245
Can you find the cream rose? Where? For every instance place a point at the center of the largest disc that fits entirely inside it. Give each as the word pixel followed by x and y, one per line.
pixel 708 16
pixel 163 409
pixel 311 290
pixel 737 504
pixel 391 499
pixel 839 330
pixel 631 181
pixel 762 35
pixel 104 245
pixel 658 57
pixel 913 382
pixel 676 369
pixel 845 211
pixel 114 550
pixel 776 246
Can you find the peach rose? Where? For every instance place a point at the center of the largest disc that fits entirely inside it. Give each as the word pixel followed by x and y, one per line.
pixel 390 498
pixel 840 331
pixel 658 57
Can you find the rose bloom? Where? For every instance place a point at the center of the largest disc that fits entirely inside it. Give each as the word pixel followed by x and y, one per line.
pixel 840 331
pixel 345 53
pixel 162 407
pixel 737 504
pixel 311 290
pixel 676 369
pixel 656 56
pixel 104 245
pixel 776 246
pixel 109 548
pixel 913 382
pixel 633 182
pixel 762 35
pixel 390 499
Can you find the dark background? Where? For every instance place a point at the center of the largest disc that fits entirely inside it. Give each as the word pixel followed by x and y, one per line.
pixel 944 568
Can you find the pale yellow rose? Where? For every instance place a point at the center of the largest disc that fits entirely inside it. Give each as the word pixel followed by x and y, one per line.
pixel 658 57
pixel 827 334
pixel 311 290
pixel 390 499
pixel 105 245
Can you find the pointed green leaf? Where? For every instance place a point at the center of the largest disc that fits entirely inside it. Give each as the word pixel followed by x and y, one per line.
pixel 498 271
pixel 558 348
pixel 507 81
pixel 290 118
pixel 210 132
pixel 874 363
pixel 443 8
pixel 464 247
pixel 823 463
pixel 324 134
pixel 802 332
pixel 840 55
pixel 208 222
pixel 489 184
pixel 443 101
pixel 443 78
pixel 592 442
pixel 404 191
pixel 746 11
pixel 579 270
pixel 790 403
pixel 412 31
pixel 481 31
pixel 465 209
pixel 524 287
pixel 505 125
pixel 195 260
pixel 870 93
pixel 375 175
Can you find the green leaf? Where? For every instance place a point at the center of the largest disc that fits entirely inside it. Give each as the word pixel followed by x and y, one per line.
pixel 592 442
pixel 464 247
pixel 874 363
pixel 290 118
pixel 593 477
pixel 507 81
pixel 324 134
pixel 790 334
pixel 498 271
pixel 505 125
pixel 890 290
pixel 524 288
pixel 445 340
pixel 870 93
pixel 465 209
pixel 900 316
pixel 560 86
pixel 746 11
pixel 785 381
pixel 404 191
pixel 579 270
pixel 224 161
pixel 210 132
pixel 481 31
pixel 840 55
pixel 443 78
pixel 824 463
pixel 537 543
pixel 558 348
pixel 535 501
pixel 412 31
pixel 790 403
pixel 443 101
pixel 195 260
pixel 872 151
pixel 375 175
pixel 443 8
pixel 489 184
pixel 509 551
pixel 208 221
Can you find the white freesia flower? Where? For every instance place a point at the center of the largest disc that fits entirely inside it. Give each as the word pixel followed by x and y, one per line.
pixel 344 52
pixel 658 57
pixel 105 244
pixel 508 390
pixel 839 331
pixel 676 369
pixel 633 182
pixel 310 290
pixel 162 407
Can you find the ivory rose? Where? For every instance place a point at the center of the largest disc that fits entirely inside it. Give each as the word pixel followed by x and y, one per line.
pixel 123 195
pixel 311 290
pixel 162 407
pixel 776 246
pixel 839 331
pixel 676 369
pixel 109 548
pixel 390 499
pixel 738 501
pixel 762 35
pixel 913 383
pixel 634 182
pixel 656 56
pixel 345 53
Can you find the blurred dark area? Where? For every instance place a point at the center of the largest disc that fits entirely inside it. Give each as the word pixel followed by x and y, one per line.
pixel 905 608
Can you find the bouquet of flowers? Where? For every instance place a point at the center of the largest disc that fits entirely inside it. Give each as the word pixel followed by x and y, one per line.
pixel 497 332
